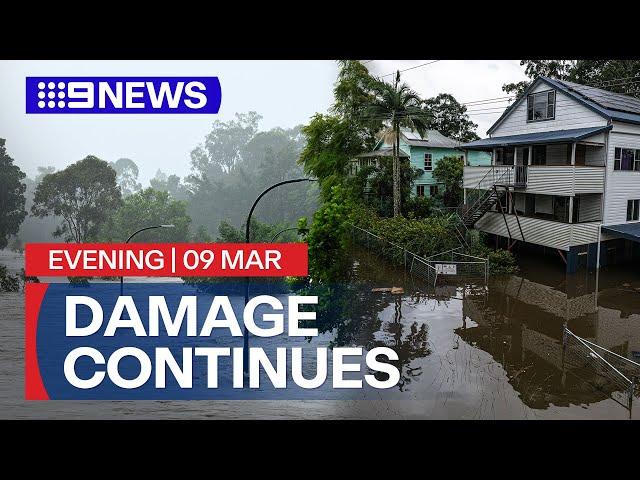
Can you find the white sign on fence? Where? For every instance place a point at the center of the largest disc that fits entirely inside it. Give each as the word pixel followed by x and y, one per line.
pixel 446 269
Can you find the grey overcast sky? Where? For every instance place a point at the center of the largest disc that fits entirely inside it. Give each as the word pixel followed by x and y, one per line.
pixel 285 93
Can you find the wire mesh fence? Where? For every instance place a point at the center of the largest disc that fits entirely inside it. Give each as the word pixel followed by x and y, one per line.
pixel 452 263
pixel 396 253
pixel 612 373
pixel 456 263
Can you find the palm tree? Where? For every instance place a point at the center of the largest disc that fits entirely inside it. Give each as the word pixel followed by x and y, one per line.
pixel 398 106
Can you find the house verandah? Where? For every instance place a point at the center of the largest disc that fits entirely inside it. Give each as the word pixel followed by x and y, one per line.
pixel 549 191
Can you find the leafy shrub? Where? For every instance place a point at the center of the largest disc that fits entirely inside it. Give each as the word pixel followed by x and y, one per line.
pixel 425 237
pixel 419 207
pixel 328 238
pixel 500 261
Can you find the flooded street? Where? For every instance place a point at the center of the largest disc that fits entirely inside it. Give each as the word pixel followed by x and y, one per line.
pixel 465 351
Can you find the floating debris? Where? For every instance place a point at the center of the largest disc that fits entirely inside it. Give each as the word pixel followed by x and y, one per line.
pixel 392 290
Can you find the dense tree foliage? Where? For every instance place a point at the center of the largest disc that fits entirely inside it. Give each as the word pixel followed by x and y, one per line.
pixel 620 76
pixel 328 238
pixel 12 199
pixel 144 209
pixel 449 172
pixel 259 232
pixel 84 194
pixel 333 140
pixel 449 117
pixel 170 184
pixel 235 164
pixel 126 176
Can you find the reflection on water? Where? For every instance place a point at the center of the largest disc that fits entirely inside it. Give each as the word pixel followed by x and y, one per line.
pixel 465 351
pixel 505 339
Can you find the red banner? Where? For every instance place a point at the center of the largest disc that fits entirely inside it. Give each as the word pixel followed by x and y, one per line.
pixel 166 259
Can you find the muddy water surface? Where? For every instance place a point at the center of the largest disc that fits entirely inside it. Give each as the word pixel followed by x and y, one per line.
pixel 465 351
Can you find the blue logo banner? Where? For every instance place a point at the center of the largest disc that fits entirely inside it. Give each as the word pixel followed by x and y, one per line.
pixel 164 95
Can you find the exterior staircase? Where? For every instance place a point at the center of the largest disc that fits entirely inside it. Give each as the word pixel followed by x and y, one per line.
pixel 495 188
pixel 484 203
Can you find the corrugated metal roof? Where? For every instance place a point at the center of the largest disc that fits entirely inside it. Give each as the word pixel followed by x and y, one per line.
pixel 630 231
pixel 555 136
pixel 605 98
pixel 612 106
pixel 382 152
pixel 432 138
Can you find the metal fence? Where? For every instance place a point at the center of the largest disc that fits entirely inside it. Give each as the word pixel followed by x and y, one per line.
pixel 619 373
pixel 396 253
pixel 456 263
pixel 452 263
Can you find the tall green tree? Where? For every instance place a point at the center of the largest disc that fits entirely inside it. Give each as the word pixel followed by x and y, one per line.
pixel 147 208
pixel 450 118
pixel 332 140
pixel 12 197
pixel 449 171
pixel 399 106
pixel 224 190
pixel 126 176
pixel 84 194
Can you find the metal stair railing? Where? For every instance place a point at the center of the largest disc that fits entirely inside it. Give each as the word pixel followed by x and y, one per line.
pixel 486 197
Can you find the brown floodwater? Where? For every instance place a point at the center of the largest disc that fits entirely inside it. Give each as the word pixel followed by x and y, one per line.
pixel 466 350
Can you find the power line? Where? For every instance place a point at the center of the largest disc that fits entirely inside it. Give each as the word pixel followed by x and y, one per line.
pixel 485 113
pixel 494 109
pixel 410 68
pixel 487 99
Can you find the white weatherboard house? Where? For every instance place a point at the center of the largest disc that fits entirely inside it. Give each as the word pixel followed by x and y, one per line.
pixel 564 175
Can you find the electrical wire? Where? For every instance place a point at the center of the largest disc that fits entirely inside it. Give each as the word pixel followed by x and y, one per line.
pixel 410 68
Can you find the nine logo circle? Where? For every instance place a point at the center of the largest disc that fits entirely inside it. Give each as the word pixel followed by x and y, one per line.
pixel 51 95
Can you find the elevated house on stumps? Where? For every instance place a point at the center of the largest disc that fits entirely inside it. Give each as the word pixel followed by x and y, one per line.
pixel 564 175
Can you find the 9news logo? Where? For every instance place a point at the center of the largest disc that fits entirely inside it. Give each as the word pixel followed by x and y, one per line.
pixel 123 95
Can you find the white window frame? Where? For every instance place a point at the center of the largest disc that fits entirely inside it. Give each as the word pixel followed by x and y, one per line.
pixel 617 159
pixel 418 190
pixel 531 101
pixel 430 167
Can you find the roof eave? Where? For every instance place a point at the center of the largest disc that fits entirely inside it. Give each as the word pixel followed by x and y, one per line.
pixel 526 141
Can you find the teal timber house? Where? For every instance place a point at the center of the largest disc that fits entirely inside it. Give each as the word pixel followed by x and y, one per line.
pixel 423 153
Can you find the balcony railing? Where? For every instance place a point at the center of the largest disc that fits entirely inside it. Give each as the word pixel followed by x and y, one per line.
pixel 543 179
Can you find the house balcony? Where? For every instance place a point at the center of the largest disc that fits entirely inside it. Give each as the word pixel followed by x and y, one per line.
pixel 541 179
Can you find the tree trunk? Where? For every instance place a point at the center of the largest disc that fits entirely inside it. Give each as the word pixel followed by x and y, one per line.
pixel 396 173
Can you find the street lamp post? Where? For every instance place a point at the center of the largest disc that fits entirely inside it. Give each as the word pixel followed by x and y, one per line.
pixel 133 235
pixel 246 240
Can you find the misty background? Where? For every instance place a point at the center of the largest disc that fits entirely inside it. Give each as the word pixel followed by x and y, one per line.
pixel 219 163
